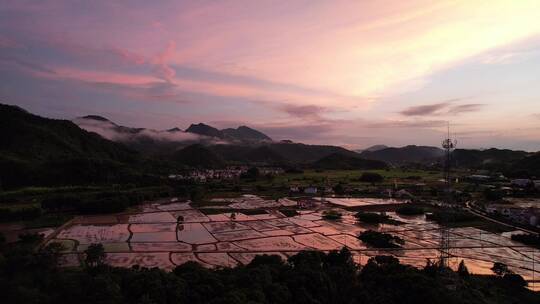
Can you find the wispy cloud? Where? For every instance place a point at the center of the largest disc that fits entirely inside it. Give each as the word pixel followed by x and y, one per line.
pixel 303 111
pixel 465 108
pixel 384 124
pixel 424 110
pixel 162 68
pixel 443 108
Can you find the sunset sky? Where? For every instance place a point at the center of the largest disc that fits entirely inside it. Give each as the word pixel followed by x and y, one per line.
pixel 350 73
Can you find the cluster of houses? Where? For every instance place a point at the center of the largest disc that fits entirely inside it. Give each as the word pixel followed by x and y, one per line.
pixel 208 174
pixel 229 173
pixel 526 183
pixel 527 216
pixel 501 182
pixel 311 190
pixel 329 191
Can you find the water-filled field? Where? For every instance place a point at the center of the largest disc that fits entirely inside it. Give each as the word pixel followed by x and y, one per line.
pixel 165 235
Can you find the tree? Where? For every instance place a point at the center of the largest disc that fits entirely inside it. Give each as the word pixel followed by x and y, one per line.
pixel 462 269
pixel 331 215
pixel 339 189
pixel 251 173
pixel 515 280
pixel 500 269
pixel 408 209
pixel 493 195
pixel 381 240
pixel 49 255
pixel 197 194
pixel 95 255
pixel 370 177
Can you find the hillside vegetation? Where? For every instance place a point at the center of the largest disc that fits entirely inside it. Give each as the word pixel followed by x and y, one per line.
pixel 338 161
pixel 42 151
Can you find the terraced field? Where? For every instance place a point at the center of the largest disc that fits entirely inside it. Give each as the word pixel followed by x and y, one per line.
pixel 168 234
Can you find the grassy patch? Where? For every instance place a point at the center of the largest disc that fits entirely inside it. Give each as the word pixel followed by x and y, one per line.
pixel 49 220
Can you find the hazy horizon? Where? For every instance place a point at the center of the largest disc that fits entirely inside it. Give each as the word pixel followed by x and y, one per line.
pixel 347 73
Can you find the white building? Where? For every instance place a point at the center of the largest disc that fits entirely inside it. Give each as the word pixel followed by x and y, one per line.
pixel 522 182
pixel 310 190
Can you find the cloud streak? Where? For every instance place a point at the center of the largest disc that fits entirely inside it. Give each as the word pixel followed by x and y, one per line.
pixel 443 108
pixel 424 110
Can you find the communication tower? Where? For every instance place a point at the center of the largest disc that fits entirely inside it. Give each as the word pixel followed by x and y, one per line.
pixel 448 145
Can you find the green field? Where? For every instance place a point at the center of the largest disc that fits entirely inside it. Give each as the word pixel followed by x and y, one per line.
pixel 351 177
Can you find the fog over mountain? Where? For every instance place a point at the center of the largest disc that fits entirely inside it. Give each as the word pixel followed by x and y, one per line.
pixel 112 131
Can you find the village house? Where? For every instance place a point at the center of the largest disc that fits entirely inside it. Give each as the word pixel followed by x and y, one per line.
pixel 310 190
pixel 527 216
pixel 522 182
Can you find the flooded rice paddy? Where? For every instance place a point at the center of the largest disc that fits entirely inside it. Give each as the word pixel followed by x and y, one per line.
pixel 165 235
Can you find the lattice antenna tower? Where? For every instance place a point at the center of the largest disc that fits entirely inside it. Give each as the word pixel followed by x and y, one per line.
pixel 448 145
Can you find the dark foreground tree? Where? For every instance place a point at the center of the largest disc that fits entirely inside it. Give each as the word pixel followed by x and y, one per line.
pixel 500 269
pixel 95 255
pixel 307 277
pixel 462 269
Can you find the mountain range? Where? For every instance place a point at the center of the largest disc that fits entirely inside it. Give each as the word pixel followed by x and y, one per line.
pixel 92 149
pixel 40 151
pixel 235 146
pixel 195 132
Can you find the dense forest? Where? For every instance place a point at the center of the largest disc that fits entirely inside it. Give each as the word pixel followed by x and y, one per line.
pixel 308 277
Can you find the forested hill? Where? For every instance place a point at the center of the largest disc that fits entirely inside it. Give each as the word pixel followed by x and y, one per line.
pixel 41 151
pixel 31 137
pixel 403 155
pixel 348 162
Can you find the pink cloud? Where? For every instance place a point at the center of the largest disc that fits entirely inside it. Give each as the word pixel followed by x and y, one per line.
pixel 9 43
pixel 162 69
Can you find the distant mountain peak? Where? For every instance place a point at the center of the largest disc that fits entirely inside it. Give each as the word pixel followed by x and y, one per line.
pixel 245 133
pixel 376 148
pixel 95 117
pixel 204 129
pixel 242 133
pixel 175 129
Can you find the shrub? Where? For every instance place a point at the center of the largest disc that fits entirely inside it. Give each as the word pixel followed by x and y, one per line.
pixel 410 210
pixel 380 240
pixel 370 177
pixel 527 239
pixel 446 216
pixel 515 280
pixel 22 214
pixel 375 218
pixel 331 215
